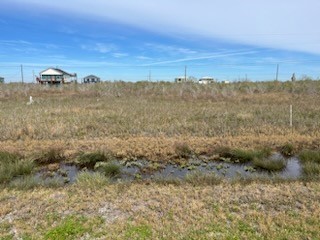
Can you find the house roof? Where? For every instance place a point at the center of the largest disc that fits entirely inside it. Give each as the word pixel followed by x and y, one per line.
pixel 56 71
pixel 91 76
pixel 206 78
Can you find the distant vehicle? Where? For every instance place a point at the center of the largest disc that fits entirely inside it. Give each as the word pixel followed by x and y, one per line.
pixel 1 80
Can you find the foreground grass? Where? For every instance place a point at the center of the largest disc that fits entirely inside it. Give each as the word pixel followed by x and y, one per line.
pixel 287 210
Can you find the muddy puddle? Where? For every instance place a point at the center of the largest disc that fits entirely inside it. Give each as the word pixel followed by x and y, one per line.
pixel 146 170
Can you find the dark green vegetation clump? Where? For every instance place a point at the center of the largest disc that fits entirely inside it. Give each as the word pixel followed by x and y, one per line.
pixel 52 155
pixel 287 150
pixel 269 164
pixel 109 169
pixel 89 160
pixel 12 166
pixel 243 156
pixel 310 160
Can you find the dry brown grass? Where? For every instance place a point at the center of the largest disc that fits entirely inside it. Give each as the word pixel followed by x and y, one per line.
pixel 254 211
pixel 148 119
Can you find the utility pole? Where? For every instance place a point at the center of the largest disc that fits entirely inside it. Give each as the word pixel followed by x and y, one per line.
pixel 277 73
pixel 149 76
pixel 21 73
pixel 185 73
pixel 32 76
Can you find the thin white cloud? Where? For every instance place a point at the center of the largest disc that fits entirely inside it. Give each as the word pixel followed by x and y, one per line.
pixel 163 48
pixel 284 24
pixel 99 47
pixel 212 56
pixel 120 55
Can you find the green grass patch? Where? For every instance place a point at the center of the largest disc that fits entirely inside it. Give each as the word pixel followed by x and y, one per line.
pixel 110 169
pixel 52 155
pixel 11 166
pixel 310 156
pixel 243 156
pixel 310 163
pixel 70 228
pixel 92 179
pixel 90 159
pixel 311 169
pixel 269 164
pixel 287 150
pixel 140 232
pixel 200 178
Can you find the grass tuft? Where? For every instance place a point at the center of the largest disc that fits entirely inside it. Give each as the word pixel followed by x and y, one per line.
pixel 310 163
pixel 89 160
pixel 110 169
pixel 52 155
pixel 269 164
pixel 92 180
pixel 10 169
pixel 199 178
pixel 182 150
pixel 287 150
pixel 243 156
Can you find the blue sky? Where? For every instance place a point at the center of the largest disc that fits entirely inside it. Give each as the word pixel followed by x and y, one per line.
pixel 127 40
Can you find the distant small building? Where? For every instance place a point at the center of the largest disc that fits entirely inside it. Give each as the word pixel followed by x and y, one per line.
pixel 1 80
pixel 56 76
pixel 184 79
pixel 225 82
pixel 206 80
pixel 91 79
pixel 180 79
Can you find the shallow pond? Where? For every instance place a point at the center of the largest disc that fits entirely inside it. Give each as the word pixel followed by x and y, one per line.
pixel 142 169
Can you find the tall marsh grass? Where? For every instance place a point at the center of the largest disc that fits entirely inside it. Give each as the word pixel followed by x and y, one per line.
pixel 12 166
pixel 310 163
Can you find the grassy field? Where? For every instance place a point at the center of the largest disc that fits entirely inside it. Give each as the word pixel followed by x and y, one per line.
pixel 147 119
pixel 158 122
pixel 140 211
